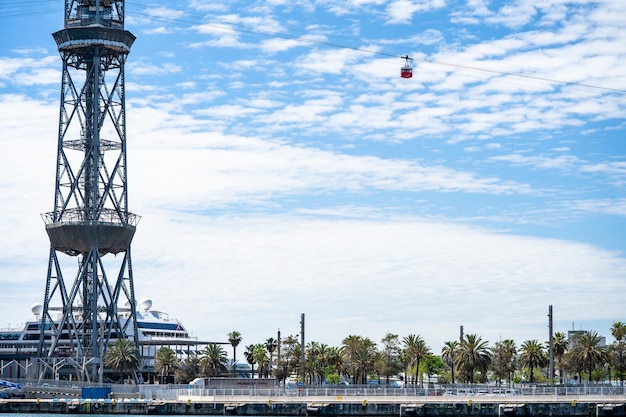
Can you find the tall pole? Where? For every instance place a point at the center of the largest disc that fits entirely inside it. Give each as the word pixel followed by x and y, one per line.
pixel 551 346
pixel 302 347
pixel 278 352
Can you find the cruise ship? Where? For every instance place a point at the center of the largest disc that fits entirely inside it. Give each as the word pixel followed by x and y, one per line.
pixel 156 329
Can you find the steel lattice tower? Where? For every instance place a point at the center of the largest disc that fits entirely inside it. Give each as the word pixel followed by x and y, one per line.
pixel 91 218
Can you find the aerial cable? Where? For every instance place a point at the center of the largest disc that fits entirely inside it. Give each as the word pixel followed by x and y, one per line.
pixel 168 15
pixel 237 28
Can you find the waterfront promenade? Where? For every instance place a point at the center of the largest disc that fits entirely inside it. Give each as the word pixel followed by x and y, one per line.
pixel 151 399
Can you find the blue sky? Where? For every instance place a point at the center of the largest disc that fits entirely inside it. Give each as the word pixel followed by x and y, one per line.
pixel 281 165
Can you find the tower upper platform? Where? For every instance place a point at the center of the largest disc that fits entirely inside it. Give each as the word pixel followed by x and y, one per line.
pixel 114 40
pixel 75 233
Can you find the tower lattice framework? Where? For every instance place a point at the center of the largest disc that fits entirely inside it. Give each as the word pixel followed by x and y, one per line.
pixel 89 296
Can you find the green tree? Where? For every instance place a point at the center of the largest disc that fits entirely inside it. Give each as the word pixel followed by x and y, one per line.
pixel 618 330
pixel 122 356
pixel 433 364
pixel 448 354
pixel 187 370
pixel 503 356
pixel 533 355
pixel 165 362
pixel 290 358
pixel 213 360
pixel 332 377
pixel 390 364
pixel 473 357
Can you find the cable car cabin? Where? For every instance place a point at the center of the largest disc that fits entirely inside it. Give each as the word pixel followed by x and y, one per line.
pixel 407 70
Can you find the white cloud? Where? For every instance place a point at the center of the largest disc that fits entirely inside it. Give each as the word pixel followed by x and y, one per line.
pixel 165 13
pixel 144 68
pixel 402 11
pixel 30 71
pixel 616 170
pixel 428 271
pixel 332 61
pixel 614 207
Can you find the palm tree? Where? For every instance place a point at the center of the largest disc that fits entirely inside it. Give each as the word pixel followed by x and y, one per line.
pixel 448 354
pixel 213 360
pixel 165 361
pixel 533 356
pixel 618 331
pixel 234 338
pixel 559 346
pixel 123 356
pixel 510 347
pixel 249 355
pixel 571 363
pixel 349 347
pixel 271 345
pixel 315 362
pixel 357 353
pixel 589 352
pixel 364 360
pixel 260 356
pixel 416 348
pixel 333 358
pixel 473 356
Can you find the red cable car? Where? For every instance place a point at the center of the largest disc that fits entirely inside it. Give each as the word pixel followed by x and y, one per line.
pixel 407 70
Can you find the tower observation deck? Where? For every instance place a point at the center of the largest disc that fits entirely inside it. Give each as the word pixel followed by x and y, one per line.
pixel 95 304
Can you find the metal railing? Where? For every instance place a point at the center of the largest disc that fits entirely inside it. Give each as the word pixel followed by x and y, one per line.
pixel 174 392
pixel 80 216
pixel 518 391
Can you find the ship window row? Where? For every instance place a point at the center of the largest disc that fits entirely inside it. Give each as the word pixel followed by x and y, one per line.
pixel 9 336
pixel 34 326
pixel 63 336
pixel 37 326
pixel 18 347
pixel 165 334
pixel 35 336
pixel 159 326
